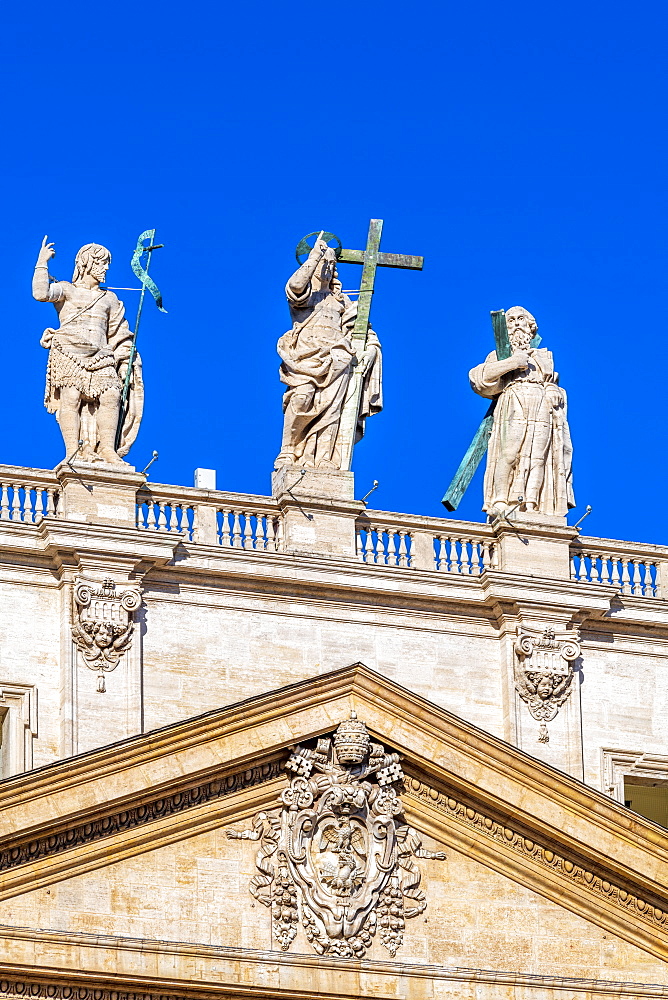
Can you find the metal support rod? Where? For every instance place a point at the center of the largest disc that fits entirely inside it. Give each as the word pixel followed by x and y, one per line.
pixel 154 459
pixel 375 486
pixel 588 510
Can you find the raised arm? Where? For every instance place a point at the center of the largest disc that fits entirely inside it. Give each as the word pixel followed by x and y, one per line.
pixel 40 279
pixel 300 279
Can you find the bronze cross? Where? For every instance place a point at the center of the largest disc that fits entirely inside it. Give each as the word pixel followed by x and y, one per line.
pixel 370 258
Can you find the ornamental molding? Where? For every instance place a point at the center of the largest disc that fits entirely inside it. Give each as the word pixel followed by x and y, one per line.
pixel 103 623
pixel 337 854
pixel 133 816
pixel 544 672
pixel 545 857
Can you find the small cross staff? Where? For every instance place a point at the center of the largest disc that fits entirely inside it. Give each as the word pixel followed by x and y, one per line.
pixel 370 258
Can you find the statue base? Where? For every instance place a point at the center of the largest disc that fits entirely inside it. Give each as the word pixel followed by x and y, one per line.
pixel 98 492
pixel 312 483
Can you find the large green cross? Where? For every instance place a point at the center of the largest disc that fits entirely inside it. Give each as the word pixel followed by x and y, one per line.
pixel 370 258
pixel 478 446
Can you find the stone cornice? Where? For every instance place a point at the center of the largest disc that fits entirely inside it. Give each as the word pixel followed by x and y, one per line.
pixel 236 973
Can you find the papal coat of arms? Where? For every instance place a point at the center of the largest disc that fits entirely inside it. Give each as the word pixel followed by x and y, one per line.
pixel 336 854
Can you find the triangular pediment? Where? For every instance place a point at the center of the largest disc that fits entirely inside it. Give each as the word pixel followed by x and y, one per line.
pixel 558 847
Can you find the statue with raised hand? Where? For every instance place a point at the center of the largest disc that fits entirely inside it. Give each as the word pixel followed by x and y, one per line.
pixel 88 358
pixel 318 360
pixel 530 452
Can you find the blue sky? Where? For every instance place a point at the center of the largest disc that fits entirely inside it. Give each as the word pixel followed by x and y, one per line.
pixel 521 148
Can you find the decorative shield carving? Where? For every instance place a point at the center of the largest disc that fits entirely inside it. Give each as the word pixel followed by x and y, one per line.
pixel 544 673
pixel 103 624
pixel 336 855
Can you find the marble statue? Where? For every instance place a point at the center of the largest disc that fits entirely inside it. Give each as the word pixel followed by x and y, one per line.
pixel 317 364
pixel 530 449
pixel 88 356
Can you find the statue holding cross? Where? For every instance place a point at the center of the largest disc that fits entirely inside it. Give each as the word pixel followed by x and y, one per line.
pixel 525 430
pixel 331 359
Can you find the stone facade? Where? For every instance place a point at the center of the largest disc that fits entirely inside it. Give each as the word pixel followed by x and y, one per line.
pixel 115 868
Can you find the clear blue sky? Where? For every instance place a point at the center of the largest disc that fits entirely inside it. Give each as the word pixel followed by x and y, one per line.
pixel 520 147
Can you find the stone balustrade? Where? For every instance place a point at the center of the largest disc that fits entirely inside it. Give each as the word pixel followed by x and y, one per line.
pixel 27 495
pixel 231 520
pixel 254 523
pixel 458 547
pixel 634 569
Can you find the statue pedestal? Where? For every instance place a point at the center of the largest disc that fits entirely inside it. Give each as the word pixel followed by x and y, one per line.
pixel 319 511
pixel 312 483
pixel 99 493
pixel 534 544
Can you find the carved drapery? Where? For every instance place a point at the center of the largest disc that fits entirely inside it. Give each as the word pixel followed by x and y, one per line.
pixel 103 623
pixel 544 673
pixel 337 854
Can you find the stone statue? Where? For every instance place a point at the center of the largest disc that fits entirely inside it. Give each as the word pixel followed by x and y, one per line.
pixel 530 449
pixel 88 357
pixel 317 362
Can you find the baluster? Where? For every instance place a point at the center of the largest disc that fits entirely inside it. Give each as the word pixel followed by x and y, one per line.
pixel 235 534
pixel 439 552
pixel 574 571
pixel 653 573
pixel 459 555
pixel 27 514
pixel 468 557
pixel 150 516
pixel 163 523
pixel 480 549
pixel 625 577
pixel 615 572
pixel 259 541
pixel 278 533
pixel 647 587
pixel 224 537
pixel 402 548
pixel 393 543
pixel 4 503
pixel 246 531
pixel 634 575
pixel 16 503
pixel 362 537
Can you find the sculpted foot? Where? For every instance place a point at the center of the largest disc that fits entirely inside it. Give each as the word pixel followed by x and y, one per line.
pixel 109 456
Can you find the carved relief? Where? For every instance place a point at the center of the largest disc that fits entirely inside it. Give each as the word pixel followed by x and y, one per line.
pixel 544 673
pixel 103 623
pixel 336 854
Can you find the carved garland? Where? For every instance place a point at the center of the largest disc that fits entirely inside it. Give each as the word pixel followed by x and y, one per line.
pixel 133 816
pixel 491 828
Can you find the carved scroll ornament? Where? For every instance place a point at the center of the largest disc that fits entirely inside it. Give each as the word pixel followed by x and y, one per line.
pixel 103 625
pixel 544 673
pixel 337 855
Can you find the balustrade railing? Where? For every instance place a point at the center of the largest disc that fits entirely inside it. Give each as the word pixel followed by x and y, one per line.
pixel 27 495
pixel 633 569
pixel 236 521
pixel 453 547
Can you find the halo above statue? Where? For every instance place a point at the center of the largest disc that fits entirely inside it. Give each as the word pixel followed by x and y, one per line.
pixel 305 245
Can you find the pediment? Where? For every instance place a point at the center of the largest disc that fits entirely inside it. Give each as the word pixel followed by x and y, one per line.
pixel 122 814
